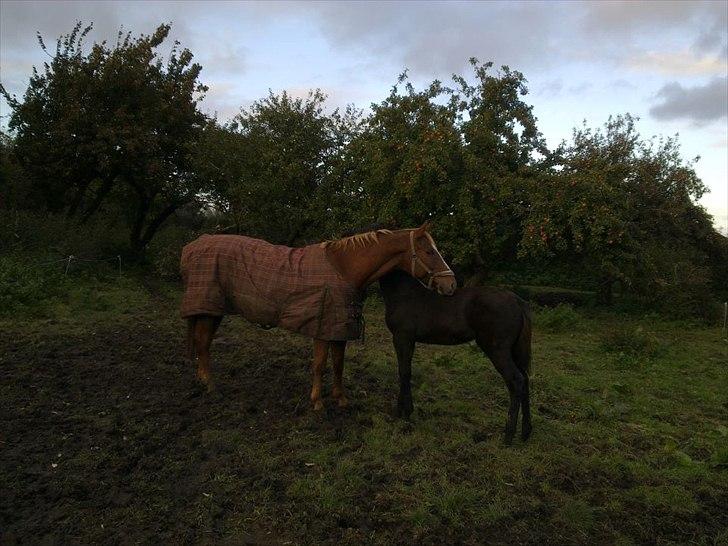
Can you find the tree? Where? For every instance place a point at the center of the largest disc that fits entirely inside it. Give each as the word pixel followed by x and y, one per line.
pixel 622 207
pixel 504 152
pixel 405 165
pixel 112 124
pixel 461 156
pixel 272 164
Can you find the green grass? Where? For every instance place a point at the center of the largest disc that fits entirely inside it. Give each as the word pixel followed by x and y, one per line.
pixel 629 440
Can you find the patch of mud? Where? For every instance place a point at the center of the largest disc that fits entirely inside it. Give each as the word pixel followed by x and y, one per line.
pixel 107 438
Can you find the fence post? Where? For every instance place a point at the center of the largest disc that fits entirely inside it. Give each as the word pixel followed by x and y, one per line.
pixel 68 263
pixel 119 256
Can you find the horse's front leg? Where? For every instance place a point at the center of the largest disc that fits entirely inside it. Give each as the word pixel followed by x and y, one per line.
pixel 320 354
pixel 405 347
pixel 202 329
pixel 337 356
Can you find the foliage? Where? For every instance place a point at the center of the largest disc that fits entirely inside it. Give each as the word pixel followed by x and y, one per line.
pixel 621 207
pixel 53 236
pixel 458 155
pixel 27 287
pixel 504 151
pixel 558 319
pixel 405 165
pixel 271 165
pixel 114 124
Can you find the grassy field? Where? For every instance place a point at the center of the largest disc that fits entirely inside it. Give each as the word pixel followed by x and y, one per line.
pixel 106 439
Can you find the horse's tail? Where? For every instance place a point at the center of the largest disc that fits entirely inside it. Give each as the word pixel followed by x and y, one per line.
pixel 191 338
pixel 522 347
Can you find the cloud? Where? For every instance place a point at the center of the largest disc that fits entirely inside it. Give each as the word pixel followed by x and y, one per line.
pixel 550 88
pixel 700 104
pixel 621 83
pixel 684 63
pixel 437 38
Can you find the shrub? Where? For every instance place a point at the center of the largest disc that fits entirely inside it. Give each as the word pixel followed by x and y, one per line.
pixel 165 249
pixel 547 296
pixel 559 318
pixel 25 231
pixel 26 286
pixel 633 342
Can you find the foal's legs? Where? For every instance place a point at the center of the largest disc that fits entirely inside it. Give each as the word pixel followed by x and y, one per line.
pixel 337 357
pixel 204 330
pixel 320 353
pixel 405 347
pixel 526 405
pixel 503 362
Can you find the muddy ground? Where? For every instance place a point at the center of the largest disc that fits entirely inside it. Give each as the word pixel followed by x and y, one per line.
pixel 101 437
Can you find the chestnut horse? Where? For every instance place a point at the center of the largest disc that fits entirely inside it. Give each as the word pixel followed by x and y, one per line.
pixel 360 260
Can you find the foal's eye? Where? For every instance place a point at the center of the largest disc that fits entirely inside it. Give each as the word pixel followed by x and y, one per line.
pixel 430 253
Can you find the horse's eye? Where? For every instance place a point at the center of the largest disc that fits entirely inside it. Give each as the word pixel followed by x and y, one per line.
pixel 430 253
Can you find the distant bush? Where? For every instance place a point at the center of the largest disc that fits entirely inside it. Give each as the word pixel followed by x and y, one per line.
pixel 559 318
pixel 26 286
pixel 548 296
pixel 633 342
pixel 165 249
pixel 25 231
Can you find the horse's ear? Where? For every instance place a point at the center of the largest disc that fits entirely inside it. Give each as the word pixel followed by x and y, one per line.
pixel 424 228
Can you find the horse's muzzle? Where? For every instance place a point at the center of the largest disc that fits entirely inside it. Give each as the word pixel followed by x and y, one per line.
pixel 446 285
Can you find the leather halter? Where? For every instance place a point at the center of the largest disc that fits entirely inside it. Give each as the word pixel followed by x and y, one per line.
pixel 447 272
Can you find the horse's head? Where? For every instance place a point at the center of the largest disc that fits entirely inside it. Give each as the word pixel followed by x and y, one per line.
pixel 426 264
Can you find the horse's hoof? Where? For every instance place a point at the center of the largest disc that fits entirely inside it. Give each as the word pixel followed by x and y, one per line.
pixel 508 439
pixel 343 402
pixel 318 405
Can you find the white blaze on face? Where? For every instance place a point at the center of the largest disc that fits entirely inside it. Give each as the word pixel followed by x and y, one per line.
pixel 434 247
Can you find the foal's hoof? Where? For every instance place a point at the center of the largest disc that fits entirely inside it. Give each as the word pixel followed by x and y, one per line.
pixel 405 409
pixel 318 405
pixel 526 433
pixel 343 402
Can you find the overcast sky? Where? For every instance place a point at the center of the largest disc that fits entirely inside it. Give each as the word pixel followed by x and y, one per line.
pixel 666 62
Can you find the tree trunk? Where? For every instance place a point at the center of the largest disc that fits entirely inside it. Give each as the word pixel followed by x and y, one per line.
pixel 135 237
pixel 157 222
pixel 101 194
pixel 76 201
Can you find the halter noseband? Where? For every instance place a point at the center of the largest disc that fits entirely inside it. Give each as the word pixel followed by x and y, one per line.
pixel 431 275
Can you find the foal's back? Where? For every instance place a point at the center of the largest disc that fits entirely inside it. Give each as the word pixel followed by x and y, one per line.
pixel 491 315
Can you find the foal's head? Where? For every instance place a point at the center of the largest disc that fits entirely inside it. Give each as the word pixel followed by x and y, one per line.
pixel 425 263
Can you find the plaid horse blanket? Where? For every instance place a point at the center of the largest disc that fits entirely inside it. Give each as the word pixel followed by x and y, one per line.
pixel 270 285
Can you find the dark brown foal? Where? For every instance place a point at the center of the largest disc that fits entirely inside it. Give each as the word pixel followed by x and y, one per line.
pixel 498 321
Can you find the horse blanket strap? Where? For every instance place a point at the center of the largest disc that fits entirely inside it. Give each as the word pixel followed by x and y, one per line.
pixel 294 288
pixel 416 260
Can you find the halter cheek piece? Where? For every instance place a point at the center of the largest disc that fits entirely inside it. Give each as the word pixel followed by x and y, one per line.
pixel 430 274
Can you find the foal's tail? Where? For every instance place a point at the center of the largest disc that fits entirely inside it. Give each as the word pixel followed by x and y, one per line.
pixel 522 347
pixel 191 338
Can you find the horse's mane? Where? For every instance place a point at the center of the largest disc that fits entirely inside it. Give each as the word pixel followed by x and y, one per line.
pixel 358 239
